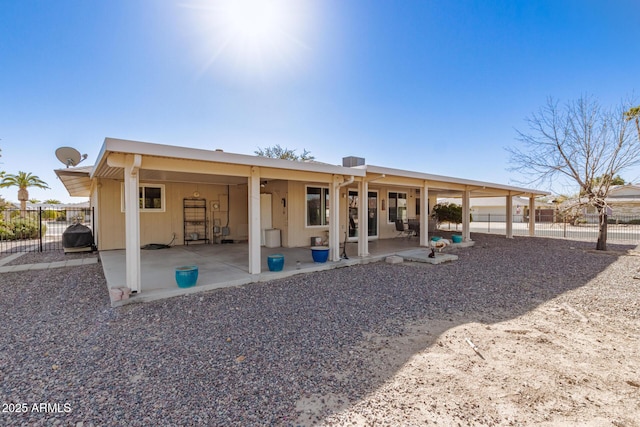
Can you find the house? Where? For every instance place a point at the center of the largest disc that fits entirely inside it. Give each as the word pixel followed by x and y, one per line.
pixel 624 200
pixel 144 193
pixel 494 208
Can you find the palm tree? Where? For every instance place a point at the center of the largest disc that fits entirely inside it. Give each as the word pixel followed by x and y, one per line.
pixel 634 113
pixel 23 181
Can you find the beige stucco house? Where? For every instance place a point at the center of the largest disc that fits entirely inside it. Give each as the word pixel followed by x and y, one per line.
pixel 624 200
pixel 147 193
pixel 494 208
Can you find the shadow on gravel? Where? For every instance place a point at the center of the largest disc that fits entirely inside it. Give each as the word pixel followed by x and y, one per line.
pixel 249 355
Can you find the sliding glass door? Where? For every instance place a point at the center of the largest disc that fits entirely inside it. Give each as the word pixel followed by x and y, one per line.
pixel 372 214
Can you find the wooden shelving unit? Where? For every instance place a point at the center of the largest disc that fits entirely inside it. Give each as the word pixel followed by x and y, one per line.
pixel 195 221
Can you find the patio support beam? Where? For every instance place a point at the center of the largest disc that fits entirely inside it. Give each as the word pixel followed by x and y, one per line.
pixel 466 202
pixel 363 218
pixel 424 214
pixel 509 213
pixel 254 220
pixel 532 215
pixel 334 217
pixel 132 221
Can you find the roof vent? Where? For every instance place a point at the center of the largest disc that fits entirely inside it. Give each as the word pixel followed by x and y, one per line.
pixel 351 161
pixel 220 150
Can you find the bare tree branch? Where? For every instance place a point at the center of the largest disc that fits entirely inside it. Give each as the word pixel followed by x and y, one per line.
pixel 582 141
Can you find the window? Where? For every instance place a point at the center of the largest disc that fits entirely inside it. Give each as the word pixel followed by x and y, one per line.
pixel 397 206
pixel 150 196
pixel 317 206
pixel 417 201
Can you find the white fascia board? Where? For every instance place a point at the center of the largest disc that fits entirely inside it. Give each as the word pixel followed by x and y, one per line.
pixel 151 149
pixel 461 181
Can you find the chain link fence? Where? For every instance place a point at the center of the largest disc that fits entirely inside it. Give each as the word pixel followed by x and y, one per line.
pixel 38 230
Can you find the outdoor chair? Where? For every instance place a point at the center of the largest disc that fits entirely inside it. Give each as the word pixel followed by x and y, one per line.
pixel 402 230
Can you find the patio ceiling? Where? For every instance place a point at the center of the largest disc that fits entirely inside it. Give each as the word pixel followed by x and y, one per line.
pixel 445 186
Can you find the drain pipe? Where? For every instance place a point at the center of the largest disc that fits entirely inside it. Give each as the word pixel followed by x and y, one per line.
pixel 347 182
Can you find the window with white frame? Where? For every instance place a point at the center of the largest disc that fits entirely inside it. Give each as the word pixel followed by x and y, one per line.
pixel 397 206
pixel 150 196
pixel 317 206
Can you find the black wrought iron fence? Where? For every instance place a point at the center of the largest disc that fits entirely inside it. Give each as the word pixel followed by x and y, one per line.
pixel 38 230
pixel 620 228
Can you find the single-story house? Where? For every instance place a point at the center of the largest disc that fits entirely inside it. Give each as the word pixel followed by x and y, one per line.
pixel 494 208
pixel 146 193
pixel 624 200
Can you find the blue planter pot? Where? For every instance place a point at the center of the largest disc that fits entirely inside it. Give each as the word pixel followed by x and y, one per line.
pixel 320 253
pixel 456 238
pixel 186 276
pixel 275 262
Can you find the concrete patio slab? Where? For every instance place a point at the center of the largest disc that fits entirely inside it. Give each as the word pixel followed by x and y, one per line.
pixel 422 255
pixel 226 265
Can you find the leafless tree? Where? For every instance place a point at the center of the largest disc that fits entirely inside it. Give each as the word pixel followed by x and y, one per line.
pixel 582 141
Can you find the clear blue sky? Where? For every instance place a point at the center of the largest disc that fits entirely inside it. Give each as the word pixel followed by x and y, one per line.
pixel 433 86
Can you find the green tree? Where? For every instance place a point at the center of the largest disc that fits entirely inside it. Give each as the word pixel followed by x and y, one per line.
pixel 278 152
pixel 34 201
pixel 52 202
pixel 582 141
pixel 447 212
pixel 23 181
pixel 616 180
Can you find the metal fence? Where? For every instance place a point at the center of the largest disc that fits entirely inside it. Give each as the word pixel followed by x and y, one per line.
pixel 38 230
pixel 620 228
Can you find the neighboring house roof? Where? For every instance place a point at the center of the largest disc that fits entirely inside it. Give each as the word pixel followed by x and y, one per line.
pixel 497 202
pixel 628 192
pixel 58 205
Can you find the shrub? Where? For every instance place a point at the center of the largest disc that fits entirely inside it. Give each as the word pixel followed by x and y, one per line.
pixel 6 233
pixel 50 214
pixel 23 228
pixel 447 212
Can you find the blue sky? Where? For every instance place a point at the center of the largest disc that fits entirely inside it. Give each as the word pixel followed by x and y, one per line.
pixel 433 86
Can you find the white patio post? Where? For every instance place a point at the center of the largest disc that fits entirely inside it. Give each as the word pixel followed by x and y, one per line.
pixel 532 216
pixel 254 221
pixel 424 215
pixel 334 217
pixel 132 221
pixel 363 218
pixel 466 202
pixel 509 213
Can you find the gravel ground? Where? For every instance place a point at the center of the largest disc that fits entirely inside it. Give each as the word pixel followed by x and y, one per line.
pixel 49 255
pixel 296 351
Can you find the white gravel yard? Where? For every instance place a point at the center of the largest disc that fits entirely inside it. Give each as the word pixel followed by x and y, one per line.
pixel 524 331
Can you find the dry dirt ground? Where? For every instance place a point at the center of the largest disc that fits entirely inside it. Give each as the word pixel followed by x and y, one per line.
pixel 571 361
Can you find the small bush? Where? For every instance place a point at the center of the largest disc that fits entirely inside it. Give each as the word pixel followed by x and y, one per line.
pixel 50 214
pixel 6 233
pixel 23 228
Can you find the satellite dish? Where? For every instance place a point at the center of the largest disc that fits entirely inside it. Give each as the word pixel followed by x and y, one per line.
pixel 69 156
